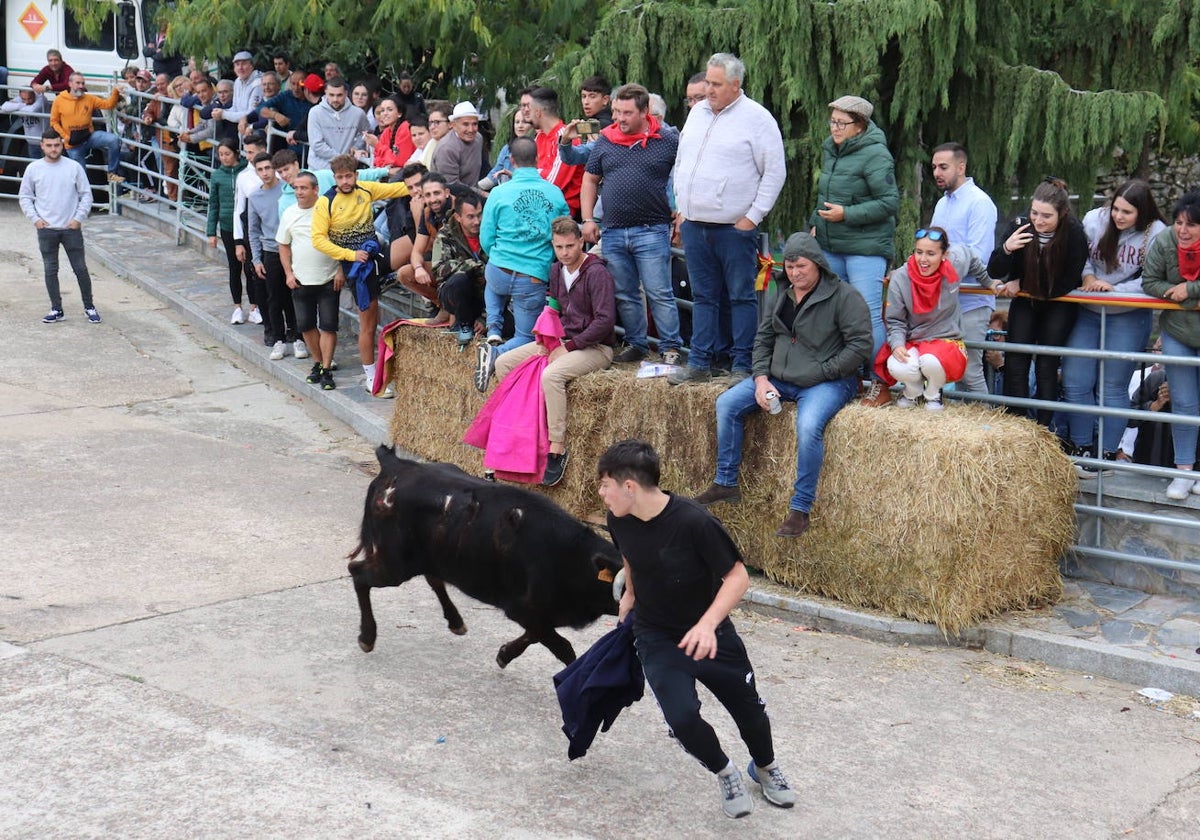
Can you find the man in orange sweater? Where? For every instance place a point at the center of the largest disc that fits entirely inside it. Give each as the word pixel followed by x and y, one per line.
pixel 71 117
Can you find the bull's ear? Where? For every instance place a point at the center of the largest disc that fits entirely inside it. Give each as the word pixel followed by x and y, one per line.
pixel 606 568
pixel 383 499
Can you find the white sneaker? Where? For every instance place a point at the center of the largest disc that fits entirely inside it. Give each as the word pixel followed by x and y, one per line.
pixel 278 351
pixel 905 402
pixel 237 317
pixel 255 316
pixel 933 405
pixel 300 349
pixel 1179 488
pixel 388 393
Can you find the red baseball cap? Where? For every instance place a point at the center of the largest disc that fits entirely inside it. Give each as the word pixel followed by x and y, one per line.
pixel 314 83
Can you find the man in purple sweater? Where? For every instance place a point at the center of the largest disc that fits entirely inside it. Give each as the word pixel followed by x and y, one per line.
pixel 583 290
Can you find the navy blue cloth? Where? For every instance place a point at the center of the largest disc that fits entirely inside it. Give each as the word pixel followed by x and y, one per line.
pixel 360 273
pixel 594 688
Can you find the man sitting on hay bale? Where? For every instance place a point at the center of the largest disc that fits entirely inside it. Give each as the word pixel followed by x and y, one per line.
pixel 583 290
pixel 812 338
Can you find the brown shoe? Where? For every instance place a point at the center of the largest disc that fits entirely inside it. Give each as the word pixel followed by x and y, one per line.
pixel 877 396
pixel 719 493
pixel 114 178
pixel 794 524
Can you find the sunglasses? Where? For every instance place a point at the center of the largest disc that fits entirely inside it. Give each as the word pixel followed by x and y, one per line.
pixel 931 235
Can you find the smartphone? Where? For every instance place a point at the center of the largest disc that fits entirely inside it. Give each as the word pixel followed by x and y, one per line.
pixel 587 128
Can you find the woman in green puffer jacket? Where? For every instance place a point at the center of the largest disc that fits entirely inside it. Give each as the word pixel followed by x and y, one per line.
pixel 855 217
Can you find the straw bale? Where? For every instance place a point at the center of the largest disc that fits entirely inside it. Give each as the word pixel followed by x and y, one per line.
pixel 946 518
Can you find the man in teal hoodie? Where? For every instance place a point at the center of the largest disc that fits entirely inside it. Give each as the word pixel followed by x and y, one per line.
pixel 515 233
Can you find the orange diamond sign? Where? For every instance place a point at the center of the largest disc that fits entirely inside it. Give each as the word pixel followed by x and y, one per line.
pixel 33 21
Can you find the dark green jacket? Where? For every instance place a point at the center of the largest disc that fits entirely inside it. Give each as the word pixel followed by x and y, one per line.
pixel 1159 273
pixel 829 338
pixel 221 197
pixel 860 175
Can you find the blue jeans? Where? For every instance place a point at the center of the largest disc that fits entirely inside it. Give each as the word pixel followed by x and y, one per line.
pixel 815 407
pixel 528 297
pixel 106 140
pixel 721 259
pixel 1123 331
pixel 640 258
pixel 1184 383
pixel 865 274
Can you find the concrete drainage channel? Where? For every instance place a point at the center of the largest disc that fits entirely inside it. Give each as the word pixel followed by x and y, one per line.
pixel 150 267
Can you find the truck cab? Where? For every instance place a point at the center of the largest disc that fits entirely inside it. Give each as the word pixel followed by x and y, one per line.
pixel 31 27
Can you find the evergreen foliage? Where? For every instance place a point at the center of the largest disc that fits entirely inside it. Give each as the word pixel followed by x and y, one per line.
pixel 1030 87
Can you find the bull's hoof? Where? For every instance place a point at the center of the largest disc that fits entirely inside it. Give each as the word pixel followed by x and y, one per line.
pixel 501 659
pixel 460 630
pixel 366 646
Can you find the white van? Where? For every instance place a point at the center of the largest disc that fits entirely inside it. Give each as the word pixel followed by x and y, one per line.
pixel 33 26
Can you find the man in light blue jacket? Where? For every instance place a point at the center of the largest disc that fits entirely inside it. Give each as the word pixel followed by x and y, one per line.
pixel 515 233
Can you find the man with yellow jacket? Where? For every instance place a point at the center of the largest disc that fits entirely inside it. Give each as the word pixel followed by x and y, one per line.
pixel 71 116
pixel 343 227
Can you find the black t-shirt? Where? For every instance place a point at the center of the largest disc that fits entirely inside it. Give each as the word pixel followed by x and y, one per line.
pixel 678 560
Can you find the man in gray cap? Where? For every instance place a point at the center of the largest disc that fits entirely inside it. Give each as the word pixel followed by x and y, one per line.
pixel 247 90
pixel 807 351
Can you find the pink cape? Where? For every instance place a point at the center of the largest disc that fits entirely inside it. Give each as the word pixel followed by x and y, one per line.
pixel 511 426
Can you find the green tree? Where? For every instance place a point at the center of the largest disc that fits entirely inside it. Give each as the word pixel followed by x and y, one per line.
pixel 458 47
pixel 1029 86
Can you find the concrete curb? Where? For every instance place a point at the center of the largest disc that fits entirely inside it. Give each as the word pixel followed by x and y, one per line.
pixel 353 407
pixel 340 403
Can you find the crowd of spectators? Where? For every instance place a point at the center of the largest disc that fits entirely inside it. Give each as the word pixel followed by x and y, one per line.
pixel 468 228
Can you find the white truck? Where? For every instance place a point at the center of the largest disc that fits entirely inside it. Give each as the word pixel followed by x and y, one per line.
pixel 33 26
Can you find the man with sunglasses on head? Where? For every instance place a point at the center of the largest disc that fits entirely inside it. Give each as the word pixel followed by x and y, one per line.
pixel 968 215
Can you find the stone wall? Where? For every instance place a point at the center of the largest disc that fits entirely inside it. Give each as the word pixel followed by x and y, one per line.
pixel 1169 177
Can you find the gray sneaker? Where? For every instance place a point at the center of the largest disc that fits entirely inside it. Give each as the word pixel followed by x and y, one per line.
pixel 775 786
pixel 735 799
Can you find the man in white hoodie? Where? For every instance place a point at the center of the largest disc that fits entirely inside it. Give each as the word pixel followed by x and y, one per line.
pixel 55 196
pixel 335 127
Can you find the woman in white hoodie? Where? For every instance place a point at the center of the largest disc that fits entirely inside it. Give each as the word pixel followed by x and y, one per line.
pixel 1118 235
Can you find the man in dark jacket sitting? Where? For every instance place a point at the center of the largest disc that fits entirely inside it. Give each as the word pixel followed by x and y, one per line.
pixel 813 335
pixel 583 290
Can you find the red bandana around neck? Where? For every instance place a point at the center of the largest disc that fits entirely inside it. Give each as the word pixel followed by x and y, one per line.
pixel 615 135
pixel 1189 261
pixel 927 290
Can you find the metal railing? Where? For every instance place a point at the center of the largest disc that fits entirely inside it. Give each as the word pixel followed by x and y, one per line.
pixel 1102 510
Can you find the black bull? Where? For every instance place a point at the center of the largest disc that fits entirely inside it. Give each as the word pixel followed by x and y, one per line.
pixel 505 546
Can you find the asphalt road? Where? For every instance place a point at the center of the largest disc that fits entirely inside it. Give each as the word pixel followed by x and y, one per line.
pixel 179 653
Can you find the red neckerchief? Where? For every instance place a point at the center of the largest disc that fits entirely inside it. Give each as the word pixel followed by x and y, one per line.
pixel 927 289
pixel 1189 260
pixel 615 135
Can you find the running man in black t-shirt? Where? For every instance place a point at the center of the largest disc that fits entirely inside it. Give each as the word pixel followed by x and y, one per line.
pixel 688 575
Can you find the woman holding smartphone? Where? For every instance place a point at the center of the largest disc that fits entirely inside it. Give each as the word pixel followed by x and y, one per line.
pixel 1040 258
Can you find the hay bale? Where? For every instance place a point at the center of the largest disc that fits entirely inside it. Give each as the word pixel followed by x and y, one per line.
pixel 946 518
